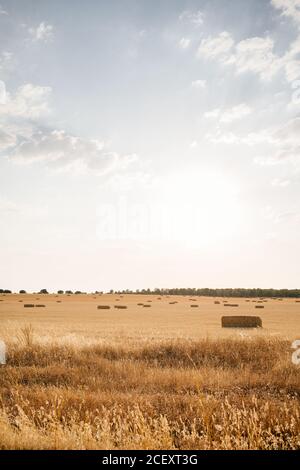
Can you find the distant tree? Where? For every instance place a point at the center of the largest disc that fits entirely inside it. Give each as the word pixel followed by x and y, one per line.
pixel 22 291
pixel 7 291
pixel 60 292
pixel 78 292
pixel 69 292
pixel 43 291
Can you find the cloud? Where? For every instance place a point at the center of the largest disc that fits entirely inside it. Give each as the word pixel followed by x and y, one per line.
pixel 43 32
pixel 289 133
pixel 63 151
pixel 281 182
pixel 227 138
pixel 23 140
pixel 255 55
pixel 5 61
pixel 184 43
pixel 7 140
pixel 289 8
pixel 7 206
pixel 195 18
pixel 194 145
pixel 236 113
pixel 216 47
pixel 199 84
pixel 2 11
pixel 29 101
pixel 232 114
pixel 3 96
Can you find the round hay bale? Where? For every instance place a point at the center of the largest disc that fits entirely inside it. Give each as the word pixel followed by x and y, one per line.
pixel 40 306
pixel 28 305
pixel 121 307
pixel 194 306
pixel 259 306
pixel 103 307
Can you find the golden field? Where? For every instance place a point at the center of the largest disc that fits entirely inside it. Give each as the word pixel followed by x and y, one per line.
pixel 163 377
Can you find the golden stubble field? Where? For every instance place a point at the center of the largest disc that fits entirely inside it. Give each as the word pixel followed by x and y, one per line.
pixel 76 317
pixel 160 377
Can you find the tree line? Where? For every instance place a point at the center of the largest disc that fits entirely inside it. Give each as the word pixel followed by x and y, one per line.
pixel 200 292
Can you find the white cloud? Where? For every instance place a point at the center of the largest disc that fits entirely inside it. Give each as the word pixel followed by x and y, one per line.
pixel 2 11
pixel 3 96
pixel 195 18
pixel 7 206
pixel 184 43
pixel 289 8
pixel 289 133
pixel 227 138
pixel 216 47
pixel 5 61
pixel 43 32
pixel 281 183
pixel 236 113
pixel 194 145
pixel 256 55
pixel 24 141
pixel 29 102
pixel 64 152
pixel 229 115
pixel 199 84
pixel 61 150
pixel 214 114
pixel 7 140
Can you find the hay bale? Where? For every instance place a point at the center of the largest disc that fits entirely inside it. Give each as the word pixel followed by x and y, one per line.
pixel 217 302
pixel 231 305
pixel 241 322
pixel 259 306
pixel 147 306
pixel 121 307
pixel 58 301
pixel 173 303
pixel 103 307
pixel 40 306
pixel 194 306
pixel 20 300
pixel 140 304
pixel 29 305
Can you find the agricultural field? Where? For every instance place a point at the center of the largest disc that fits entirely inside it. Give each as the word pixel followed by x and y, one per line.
pixel 147 372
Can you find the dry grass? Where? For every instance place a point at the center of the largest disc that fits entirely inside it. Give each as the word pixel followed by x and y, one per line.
pixel 210 394
pixel 170 378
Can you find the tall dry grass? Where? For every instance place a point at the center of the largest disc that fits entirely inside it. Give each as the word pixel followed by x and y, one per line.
pixel 209 394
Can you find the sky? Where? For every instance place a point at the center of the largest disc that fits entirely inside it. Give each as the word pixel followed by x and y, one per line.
pixel 149 144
